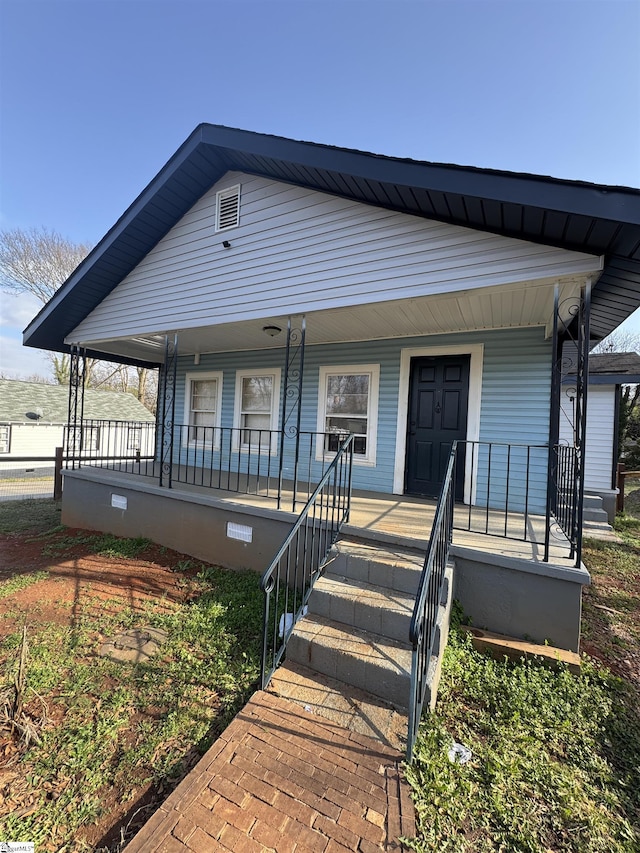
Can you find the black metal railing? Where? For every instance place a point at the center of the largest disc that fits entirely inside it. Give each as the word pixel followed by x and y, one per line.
pixel 115 444
pixel 232 459
pixel 564 508
pixel 506 489
pixel 424 622
pixel 289 580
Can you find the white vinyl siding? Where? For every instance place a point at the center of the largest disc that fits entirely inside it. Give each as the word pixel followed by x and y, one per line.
pixel 256 410
pixel 348 404
pixel 601 425
pixel 298 250
pixel 202 408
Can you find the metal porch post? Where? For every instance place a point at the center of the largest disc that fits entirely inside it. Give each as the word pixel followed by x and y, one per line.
pixel 565 476
pixel 292 402
pixel 554 423
pixel 167 416
pixel 75 415
pixel 581 410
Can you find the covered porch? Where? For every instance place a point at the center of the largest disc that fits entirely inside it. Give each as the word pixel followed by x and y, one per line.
pixel 503 582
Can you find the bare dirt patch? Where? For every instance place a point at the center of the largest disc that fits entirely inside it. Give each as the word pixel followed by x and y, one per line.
pixel 78 578
pixel 55 582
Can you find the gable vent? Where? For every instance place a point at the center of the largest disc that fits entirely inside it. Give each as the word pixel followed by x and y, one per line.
pixel 228 208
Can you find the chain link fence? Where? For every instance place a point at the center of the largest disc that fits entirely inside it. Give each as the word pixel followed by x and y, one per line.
pixel 30 477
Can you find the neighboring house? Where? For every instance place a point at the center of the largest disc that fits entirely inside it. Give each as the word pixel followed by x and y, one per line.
pixel 33 422
pixel 292 294
pixel 608 372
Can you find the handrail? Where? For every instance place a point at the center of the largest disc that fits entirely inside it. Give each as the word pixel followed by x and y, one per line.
pixel 422 631
pixel 292 573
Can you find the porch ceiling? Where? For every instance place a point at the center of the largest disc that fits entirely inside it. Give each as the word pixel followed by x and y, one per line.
pixel 505 306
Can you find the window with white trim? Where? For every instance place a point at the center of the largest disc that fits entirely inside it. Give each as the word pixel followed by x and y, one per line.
pixel 256 409
pixel 348 404
pixel 84 439
pixel 5 438
pixel 134 437
pixel 202 407
pixel 228 208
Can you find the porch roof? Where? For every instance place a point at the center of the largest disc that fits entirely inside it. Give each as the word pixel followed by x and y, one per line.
pixel 574 215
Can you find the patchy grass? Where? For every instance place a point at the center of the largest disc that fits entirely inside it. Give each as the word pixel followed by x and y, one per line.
pixel 12 585
pixel 31 515
pixel 554 766
pixel 102 544
pixel 556 757
pixel 118 735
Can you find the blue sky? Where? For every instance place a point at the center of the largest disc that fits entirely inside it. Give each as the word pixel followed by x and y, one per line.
pixel 97 94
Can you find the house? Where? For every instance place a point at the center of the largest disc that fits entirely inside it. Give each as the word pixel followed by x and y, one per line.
pixel 371 335
pixel 608 373
pixel 33 423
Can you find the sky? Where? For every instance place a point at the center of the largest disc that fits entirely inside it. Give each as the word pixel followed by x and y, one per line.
pixel 96 95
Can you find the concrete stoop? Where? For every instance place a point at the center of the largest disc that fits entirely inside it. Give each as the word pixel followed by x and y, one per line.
pixel 355 636
pixel 594 516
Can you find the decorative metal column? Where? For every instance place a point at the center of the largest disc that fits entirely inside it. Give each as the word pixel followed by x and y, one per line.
pixel 167 415
pixel 569 383
pixel 292 401
pixel 75 415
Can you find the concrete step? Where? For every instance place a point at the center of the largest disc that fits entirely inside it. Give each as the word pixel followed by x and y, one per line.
pixel 593 513
pixel 362 605
pixel 393 568
pixel 592 502
pixel 596 515
pixel 363 659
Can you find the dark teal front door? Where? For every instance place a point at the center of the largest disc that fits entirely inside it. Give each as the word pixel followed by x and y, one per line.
pixel 438 402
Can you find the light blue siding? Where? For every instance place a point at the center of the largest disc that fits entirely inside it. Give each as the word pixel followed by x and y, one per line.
pixel 514 406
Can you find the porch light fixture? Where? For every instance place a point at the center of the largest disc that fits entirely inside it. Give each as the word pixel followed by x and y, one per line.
pixel 226 244
pixel 272 331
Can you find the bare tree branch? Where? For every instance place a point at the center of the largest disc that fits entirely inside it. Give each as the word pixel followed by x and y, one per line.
pixel 37 261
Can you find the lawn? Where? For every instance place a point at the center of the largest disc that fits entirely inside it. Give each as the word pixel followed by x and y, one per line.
pixel 112 738
pixel 555 760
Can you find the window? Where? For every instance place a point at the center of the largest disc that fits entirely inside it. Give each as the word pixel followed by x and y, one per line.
pixel 257 398
pixel 228 208
pixel 349 404
pixel 134 437
pixel 5 438
pixel 202 408
pixel 84 439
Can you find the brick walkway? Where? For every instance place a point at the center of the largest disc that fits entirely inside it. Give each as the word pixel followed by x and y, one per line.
pixel 284 780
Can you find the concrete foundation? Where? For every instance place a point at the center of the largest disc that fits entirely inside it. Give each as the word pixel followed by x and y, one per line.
pixel 536 601
pixel 518 596
pixel 192 524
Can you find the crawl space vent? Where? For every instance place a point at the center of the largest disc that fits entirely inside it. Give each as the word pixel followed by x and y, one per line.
pixel 239 531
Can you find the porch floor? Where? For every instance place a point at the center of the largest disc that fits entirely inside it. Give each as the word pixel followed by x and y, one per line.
pixel 393 519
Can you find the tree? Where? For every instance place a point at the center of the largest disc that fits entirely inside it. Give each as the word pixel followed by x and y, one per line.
pixel 629 413
pixel 38 261
pixel 618 341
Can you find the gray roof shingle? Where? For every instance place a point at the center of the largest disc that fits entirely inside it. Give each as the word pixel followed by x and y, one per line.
pixel 17 398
